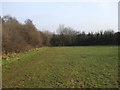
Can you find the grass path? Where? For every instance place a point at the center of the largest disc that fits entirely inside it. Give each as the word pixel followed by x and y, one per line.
pixel 94 66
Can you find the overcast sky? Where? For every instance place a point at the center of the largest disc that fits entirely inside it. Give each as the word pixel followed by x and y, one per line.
pixel 82 16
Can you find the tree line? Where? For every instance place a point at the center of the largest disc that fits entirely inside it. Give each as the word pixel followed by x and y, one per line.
pixel 69 37
pixel 18 37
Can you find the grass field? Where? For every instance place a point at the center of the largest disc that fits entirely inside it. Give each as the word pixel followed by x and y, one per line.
pixel 63 67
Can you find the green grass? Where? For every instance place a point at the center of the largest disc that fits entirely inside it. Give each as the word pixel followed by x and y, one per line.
pixel 63 67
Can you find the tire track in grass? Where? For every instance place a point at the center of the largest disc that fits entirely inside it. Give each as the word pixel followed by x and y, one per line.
pixel 9 79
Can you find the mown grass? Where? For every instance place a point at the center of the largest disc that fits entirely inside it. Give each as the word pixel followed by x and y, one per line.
pixel 63 67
